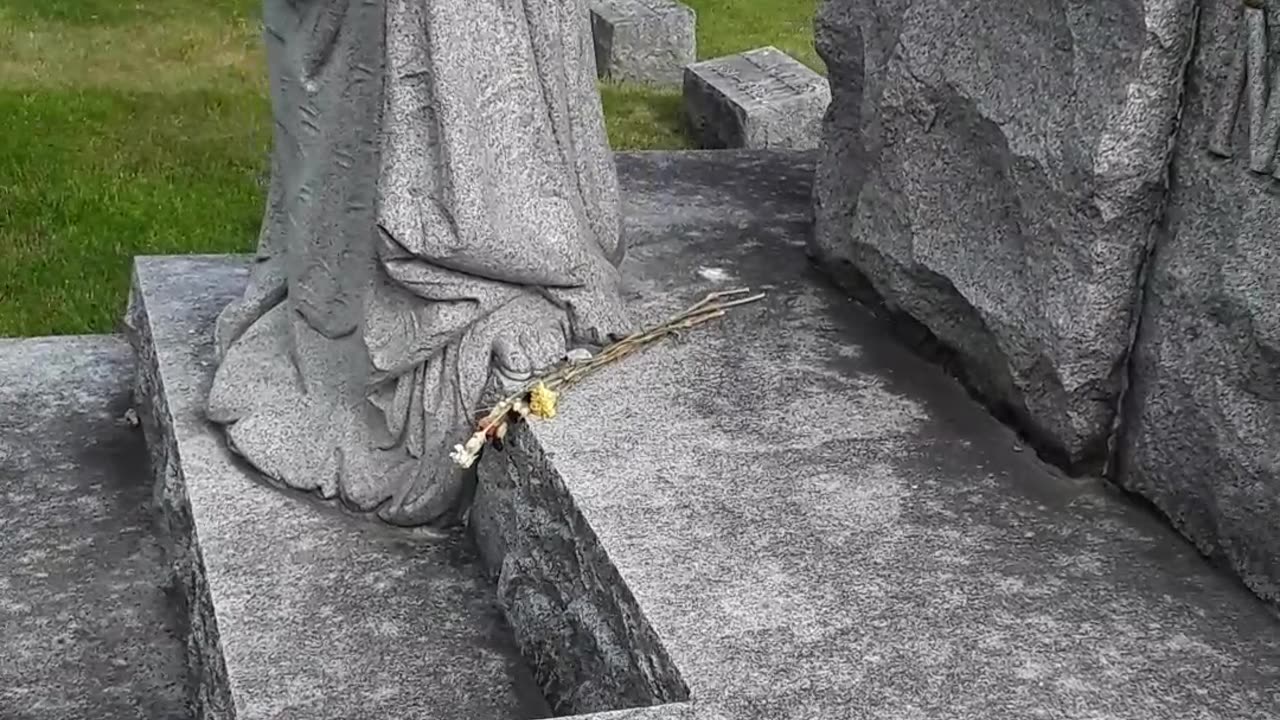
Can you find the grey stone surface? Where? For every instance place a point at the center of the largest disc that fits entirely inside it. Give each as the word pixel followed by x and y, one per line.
pixel 443 199
pixel 1201 431
pixel 996 171
pixel 759 99
pixel 590 646
pixel 646 41
pixel 86 627
pixel 816 523
pixel 294 609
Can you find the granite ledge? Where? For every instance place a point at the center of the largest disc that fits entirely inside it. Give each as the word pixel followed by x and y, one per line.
pixel 814 522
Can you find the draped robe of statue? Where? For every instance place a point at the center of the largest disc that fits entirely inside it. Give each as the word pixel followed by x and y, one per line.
pixel 443 206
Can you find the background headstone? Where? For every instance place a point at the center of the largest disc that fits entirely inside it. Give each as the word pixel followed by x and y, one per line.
pixel 648 41
pixel 1201 429
pixel 995 170
pixel 760 99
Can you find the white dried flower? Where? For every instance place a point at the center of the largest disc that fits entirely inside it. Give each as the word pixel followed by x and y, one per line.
pixel 461 457
pixel 466 455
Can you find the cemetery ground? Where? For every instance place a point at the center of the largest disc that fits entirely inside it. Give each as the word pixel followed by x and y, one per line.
pixel 137 128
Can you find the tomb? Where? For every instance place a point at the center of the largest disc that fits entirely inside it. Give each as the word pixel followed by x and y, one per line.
pixel 783 514
pixel 760 99
pixel 644 41
pixel 786 513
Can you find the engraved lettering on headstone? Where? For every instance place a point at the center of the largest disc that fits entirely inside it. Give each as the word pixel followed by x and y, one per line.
pixel 1248 72
pixel 753 89
pixel 775 79
pixel 781 74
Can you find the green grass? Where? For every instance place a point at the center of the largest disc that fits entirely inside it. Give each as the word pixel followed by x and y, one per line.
pixel 141 127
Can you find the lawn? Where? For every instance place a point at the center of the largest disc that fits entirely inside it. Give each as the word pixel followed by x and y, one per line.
pixel 141 127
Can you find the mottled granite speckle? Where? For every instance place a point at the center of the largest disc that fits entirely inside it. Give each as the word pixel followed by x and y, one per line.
pixel 645 41
pixel 86 625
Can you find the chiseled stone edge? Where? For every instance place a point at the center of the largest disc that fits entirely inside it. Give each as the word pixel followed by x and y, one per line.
pixel 712 119
pixel 575 620
pixel 210 690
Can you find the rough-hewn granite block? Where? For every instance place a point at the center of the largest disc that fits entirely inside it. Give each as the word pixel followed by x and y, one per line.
pixel 86 626
pixel 761 98
pixel 297 610
pixel 647 41
pixel 1200 434
pixel 996 171
pixel 814 523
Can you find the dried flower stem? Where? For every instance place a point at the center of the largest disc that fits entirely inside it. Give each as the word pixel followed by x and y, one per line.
pixel 516 406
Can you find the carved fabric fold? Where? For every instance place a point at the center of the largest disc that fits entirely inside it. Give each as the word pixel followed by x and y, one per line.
pixel 472 176
pixel 441 179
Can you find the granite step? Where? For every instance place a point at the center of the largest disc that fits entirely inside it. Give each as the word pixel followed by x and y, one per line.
pixel 87 627
pixel 788 515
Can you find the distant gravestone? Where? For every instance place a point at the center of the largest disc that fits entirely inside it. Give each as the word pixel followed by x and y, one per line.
pixel 762 98
pixel 647 41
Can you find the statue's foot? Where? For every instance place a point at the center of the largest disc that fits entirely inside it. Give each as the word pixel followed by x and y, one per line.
pixel 332 449
pixel 520 353
pixel 597 313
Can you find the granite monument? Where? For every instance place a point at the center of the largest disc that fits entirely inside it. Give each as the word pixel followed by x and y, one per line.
pixel 996 171
pixel 1200 427
pixel 1078 203
pixel 442 215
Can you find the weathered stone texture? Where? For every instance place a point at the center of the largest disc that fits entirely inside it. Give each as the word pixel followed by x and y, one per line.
pixel 648 41
pixel 443 208
pixel 994 170
pixel 1201 430
pixel 760 99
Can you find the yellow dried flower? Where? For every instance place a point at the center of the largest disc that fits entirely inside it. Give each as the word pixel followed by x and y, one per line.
pixel 542 401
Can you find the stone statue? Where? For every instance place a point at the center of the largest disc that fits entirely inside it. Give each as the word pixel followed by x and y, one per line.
pixel 443 214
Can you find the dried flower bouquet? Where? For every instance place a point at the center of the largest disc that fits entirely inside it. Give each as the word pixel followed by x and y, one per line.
pixel 538 397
